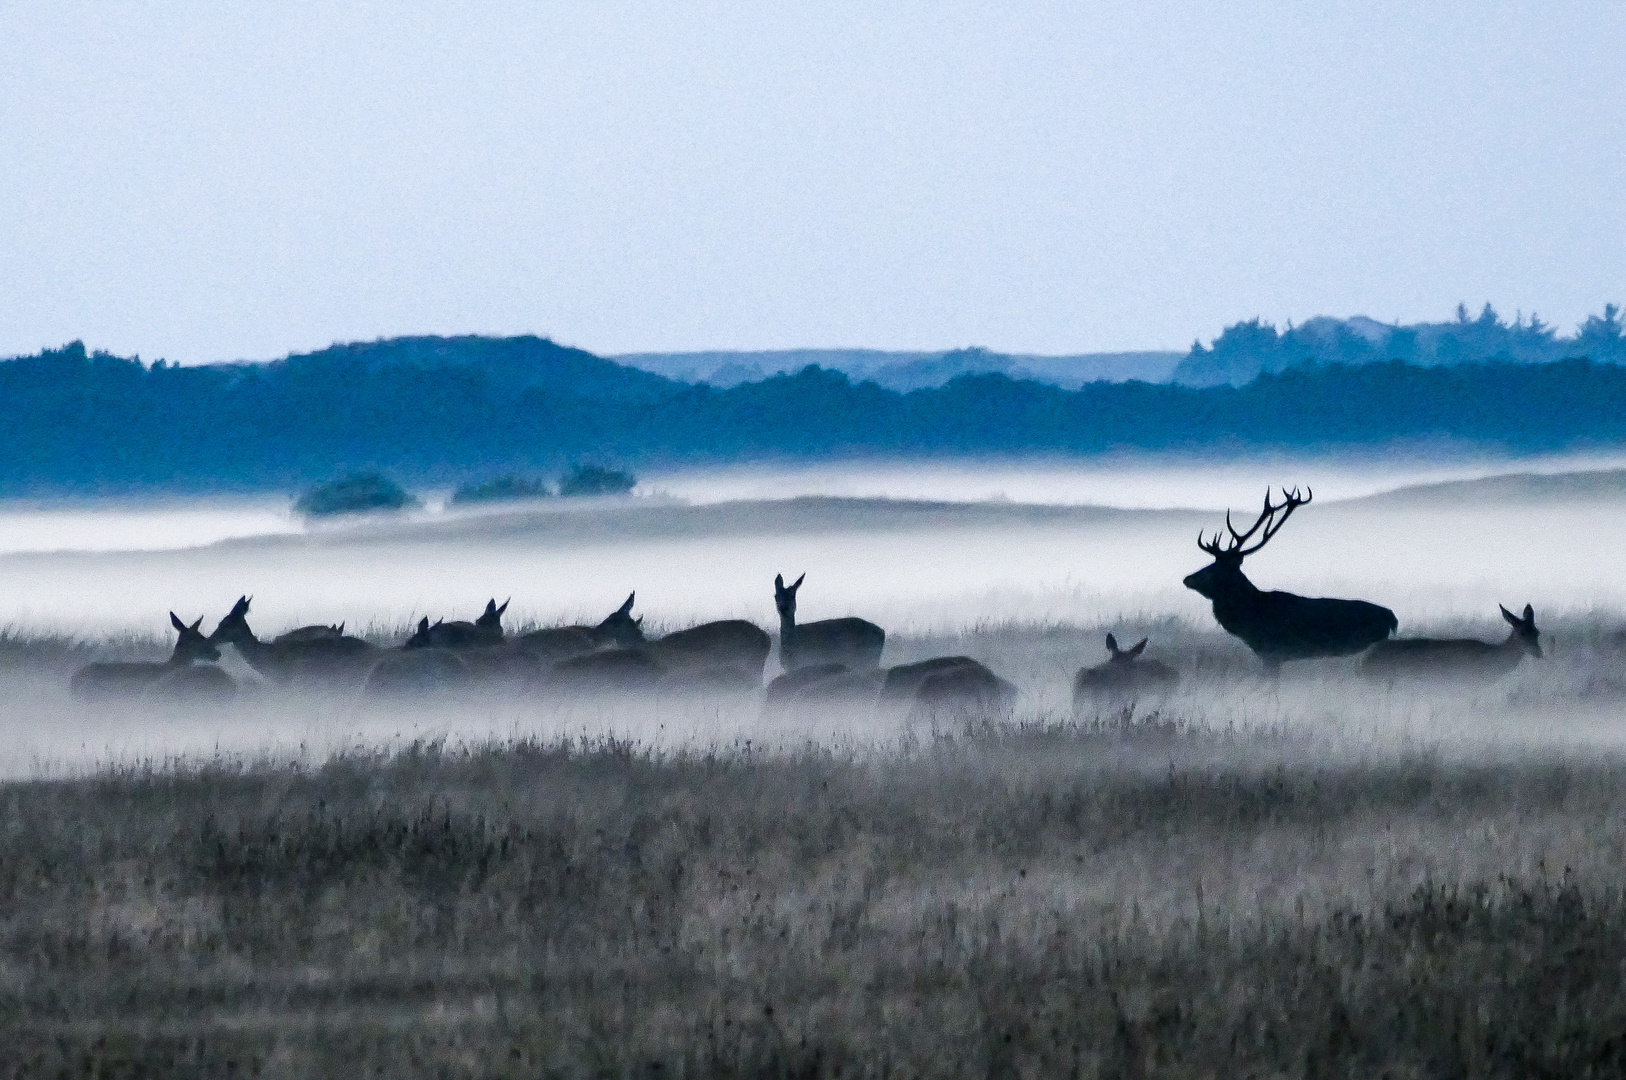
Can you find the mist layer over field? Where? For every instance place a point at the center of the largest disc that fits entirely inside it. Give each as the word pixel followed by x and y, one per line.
pixel 1027 587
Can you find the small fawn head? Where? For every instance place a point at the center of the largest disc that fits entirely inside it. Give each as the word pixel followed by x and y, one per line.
pixel 784 596
pixel 1524 629
pixel 191 644
pixel 620 627
pixel 1124 656
pixel 1225 572
pixel 491 620
pixel 234 627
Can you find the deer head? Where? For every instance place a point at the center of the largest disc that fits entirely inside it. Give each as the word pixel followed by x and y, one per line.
pixel 1226 570
pixel 191 644
pixel 234 627
pixel 420 639
pixel 784 596
pixel 620 627
pixel 1124 656
pixel 1524 629
pixel 492 618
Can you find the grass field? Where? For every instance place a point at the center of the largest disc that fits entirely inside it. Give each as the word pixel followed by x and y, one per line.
pixel 1247 878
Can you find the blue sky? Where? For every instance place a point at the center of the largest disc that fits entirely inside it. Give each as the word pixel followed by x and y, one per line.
pixel 212 181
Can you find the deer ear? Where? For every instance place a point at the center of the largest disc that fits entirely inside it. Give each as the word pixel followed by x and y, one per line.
pixel 1509 616
pixel 504 606
pixel 197 622
pixel 1112 644
pixel 491 606
pixel 1139 647
pixel 798 584
pixel 1529 614
pixel 175 621
pixel 779 583
pixel 423 624
pixel 239 608
pixel 626 609
pixel 340 629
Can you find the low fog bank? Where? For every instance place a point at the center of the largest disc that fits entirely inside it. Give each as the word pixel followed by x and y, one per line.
pixel 1438 556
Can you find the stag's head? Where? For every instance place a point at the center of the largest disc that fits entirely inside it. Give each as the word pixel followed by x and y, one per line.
pixel 784 596
pixel 1229 551
pixel 620 628
pixel 191 644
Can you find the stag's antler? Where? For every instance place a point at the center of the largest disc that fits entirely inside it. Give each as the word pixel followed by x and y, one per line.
pixel 1268 519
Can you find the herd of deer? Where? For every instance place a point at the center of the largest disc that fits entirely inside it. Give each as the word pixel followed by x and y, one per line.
pixel 835 659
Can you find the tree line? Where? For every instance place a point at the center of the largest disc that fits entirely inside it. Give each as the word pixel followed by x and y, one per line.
pixel 78 422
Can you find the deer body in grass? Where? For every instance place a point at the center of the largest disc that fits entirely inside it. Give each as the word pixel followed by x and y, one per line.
pixel 307 653
pixel 715 655
pixel 1125 672
pixel 179 677
pixel 853 643
pixel 1456 657
pixel 1281 626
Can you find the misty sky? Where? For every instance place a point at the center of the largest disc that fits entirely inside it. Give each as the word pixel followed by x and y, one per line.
pixel 204 181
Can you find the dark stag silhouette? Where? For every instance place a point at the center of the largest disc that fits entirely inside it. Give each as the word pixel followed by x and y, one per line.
pixel 1280 626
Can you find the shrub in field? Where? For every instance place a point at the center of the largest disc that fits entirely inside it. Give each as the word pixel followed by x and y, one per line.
pixel 500 489
pixel 594 480
pixel 358 493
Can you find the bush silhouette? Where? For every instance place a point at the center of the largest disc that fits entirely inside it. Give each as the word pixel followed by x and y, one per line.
pixel 593 480
pixel 500 489
pixel 358 493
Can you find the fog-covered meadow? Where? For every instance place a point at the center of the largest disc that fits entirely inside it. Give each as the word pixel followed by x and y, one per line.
pixel 1239 875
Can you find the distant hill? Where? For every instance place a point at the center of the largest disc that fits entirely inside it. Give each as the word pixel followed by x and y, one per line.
pixel 450 410
pixel 905 371
pixel 1246 350
pixel 1600 485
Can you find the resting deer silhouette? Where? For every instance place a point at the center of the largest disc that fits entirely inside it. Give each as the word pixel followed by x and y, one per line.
pixel 320 652
pixel 853 643
pixel 1456 657
pixel 1280 626
pixel 461 634
pixel 176 677
pixel 1123 673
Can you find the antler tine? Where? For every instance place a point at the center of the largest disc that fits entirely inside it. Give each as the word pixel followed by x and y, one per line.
pixel 1212 547
pixel 1238 539
pixel 1290 503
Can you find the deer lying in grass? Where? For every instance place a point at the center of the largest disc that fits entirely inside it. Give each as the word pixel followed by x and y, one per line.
pixel 720 655
pixel 176 678
pixel 853 643
pixel 419 666
pixel 309 653
pixel 928 686
pixel 461 634
pixel 1124 673
pixel 1456 657
pixel 1279 626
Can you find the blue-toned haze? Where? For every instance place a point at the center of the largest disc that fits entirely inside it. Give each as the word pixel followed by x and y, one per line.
pixel 204 182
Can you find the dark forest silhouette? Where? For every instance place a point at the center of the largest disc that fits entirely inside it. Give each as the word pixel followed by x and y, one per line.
pixel 455 409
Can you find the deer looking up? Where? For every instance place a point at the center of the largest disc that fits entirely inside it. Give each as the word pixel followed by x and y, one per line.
pixel 1280 626
pixel 853 643
pixel 1456 657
